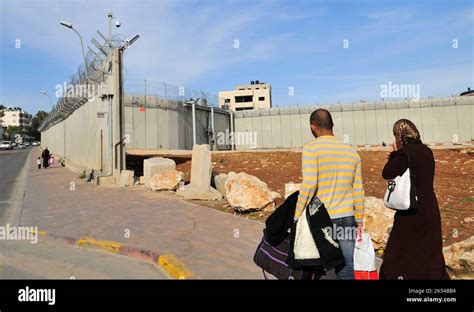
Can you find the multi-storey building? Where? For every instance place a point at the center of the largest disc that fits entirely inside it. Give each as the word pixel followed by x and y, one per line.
pixel 247 96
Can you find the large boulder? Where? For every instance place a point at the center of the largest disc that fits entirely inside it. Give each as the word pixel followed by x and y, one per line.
pixel 219 181
pixel 459 259
pixel 378 221
pixel 167 180
pixel 245 192
pixel 152 166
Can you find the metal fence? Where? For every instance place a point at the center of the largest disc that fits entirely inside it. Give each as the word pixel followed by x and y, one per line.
pixel 145 87
pixel 82 88
pixel 159 115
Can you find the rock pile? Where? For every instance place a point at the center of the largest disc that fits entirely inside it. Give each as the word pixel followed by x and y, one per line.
pixel 378 221
pixel 459 259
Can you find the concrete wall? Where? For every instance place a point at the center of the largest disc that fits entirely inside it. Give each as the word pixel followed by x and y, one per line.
pixel 158 123
pixel 79 136
pixel 438 120
pixel 83 136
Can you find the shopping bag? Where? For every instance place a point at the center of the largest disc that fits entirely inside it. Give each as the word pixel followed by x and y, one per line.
pixel 364 259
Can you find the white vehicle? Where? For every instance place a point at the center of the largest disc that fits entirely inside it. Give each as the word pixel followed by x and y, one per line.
pixel 6 145
pixel 21 146
pixel 35 143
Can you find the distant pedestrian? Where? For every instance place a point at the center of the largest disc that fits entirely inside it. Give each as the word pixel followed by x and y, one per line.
pixel 38 162
pixel 51 161
pixel 45 155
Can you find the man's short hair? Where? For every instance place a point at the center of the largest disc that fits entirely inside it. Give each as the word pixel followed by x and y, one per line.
pixel 322 119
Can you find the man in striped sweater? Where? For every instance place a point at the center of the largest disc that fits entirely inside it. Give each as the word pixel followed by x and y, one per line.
pixel 332 170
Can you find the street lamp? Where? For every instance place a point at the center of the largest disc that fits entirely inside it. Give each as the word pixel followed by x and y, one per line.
pixel 50 102
pixel 69 25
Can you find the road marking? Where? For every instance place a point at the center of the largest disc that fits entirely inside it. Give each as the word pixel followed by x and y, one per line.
pixel 174 267
pixel 40 233
pixel 110 246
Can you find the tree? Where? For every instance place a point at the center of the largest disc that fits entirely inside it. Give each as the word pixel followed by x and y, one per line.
pixel 36 122
pixel 13 130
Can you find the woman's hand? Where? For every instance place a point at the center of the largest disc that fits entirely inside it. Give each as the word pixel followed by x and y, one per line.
pixel 394 146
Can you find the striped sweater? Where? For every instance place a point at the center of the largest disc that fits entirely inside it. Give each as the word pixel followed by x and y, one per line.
pixel 332 169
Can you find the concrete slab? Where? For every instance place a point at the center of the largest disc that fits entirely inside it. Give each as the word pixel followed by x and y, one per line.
pixel 154 165
pixel 201 171
pixel 109 180
pixel 126 178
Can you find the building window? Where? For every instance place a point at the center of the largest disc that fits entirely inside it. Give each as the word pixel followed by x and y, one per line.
pixel 243 99
pixel 261 98
pixel 243 108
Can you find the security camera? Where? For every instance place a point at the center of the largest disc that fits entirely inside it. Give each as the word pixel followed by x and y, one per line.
pixel 118 24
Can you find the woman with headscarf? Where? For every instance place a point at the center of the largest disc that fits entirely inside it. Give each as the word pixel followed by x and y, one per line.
pixel 414 248
pixel 45 155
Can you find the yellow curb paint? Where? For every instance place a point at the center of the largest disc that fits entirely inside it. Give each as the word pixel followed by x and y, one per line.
pixel 110 246
pixel 174 267
pixel 40 233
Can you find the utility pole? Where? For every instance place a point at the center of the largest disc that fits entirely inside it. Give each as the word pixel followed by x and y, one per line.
pixel 110 16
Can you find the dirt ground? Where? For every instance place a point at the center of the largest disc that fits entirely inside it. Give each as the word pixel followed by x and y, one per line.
pixel 454 180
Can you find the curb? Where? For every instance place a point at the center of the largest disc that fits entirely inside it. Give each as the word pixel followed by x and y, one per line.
pixel 174 267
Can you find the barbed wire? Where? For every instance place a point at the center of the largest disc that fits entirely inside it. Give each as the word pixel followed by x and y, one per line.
pixel 67 104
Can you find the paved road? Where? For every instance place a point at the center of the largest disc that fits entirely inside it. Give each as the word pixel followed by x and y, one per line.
pixel 11 165
pixel 210 243
pixel 51 258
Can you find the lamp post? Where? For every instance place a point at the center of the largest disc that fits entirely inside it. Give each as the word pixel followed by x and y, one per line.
pixel 69 25
pixel 50 102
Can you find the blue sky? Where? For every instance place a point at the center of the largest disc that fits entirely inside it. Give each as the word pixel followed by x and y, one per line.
pixel 290 44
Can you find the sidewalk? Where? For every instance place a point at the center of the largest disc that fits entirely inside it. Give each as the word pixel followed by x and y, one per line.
pixel 212 244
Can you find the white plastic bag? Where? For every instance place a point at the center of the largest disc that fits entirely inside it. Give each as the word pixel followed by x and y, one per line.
pixel 364 254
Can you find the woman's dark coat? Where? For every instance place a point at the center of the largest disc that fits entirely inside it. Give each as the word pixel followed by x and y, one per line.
pixel 414 248
pixel 45 155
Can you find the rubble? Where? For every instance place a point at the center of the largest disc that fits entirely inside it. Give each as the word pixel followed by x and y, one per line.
pixel 459 259
pixel 378 221
pixel 154 165
pixel 246 192
pixel 166 180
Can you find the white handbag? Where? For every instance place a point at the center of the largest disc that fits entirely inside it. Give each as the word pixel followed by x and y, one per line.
pixel 401 193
